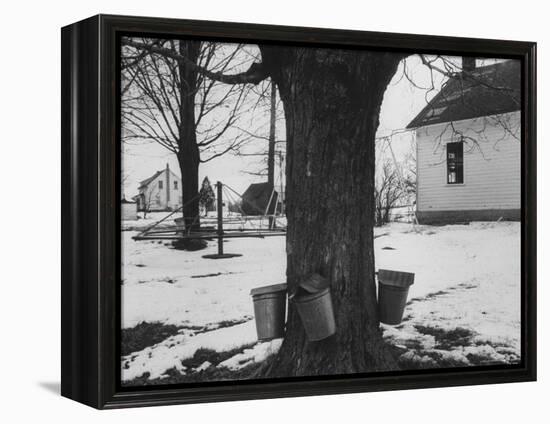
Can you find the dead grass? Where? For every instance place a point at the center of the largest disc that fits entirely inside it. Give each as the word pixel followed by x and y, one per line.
pixel 447 339
pixel 173 376
pixel 145 334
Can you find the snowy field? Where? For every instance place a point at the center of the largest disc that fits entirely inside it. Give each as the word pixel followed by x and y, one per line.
pixel 464 308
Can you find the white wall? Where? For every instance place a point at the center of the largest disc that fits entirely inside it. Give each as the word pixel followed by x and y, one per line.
pixel 157 198
pixel 29 315
pixel 128 211
pixel 492 166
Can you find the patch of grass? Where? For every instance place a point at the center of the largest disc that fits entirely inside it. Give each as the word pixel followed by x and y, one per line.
pixel 467 286
pixel 436 294
pixel 429 296
pixel 429 359
pixel 446 361
pixel 480 359
pixel 447 339
pixel 145 334
pixel 413 344
pixel 189 244
pixel 150 333
pixel 208 375
pixel 202 355
pixel 173 376
pixel 215 274
pixel 415 362
pixel 231 323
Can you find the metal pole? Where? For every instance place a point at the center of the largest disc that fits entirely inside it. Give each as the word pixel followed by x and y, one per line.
pixel 220 218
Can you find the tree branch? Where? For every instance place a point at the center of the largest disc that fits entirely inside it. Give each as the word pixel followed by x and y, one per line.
pixel 254 75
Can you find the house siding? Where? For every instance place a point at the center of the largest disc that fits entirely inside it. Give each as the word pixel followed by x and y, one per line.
pixel 129 211
pixel 492 172
pixel 160 199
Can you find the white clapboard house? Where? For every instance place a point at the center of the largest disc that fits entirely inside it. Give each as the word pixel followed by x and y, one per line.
pixel 468 147
pixel 159 192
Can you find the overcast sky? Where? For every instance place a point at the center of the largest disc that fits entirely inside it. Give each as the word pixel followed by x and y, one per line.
pixel 402 101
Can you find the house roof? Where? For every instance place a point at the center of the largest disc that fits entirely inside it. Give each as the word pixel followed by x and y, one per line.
pixel 146 181
pixel 257 197
pixel 256 190
pixel 487 90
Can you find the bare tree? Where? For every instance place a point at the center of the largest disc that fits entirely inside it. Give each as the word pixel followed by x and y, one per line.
pixel 269 105
pixel 394 187
pixel 395 181
pixel 147 200
pixel 388 191
pixel 194 117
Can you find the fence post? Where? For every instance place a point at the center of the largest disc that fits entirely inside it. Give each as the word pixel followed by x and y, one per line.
pixel 219 207
pixel 220 217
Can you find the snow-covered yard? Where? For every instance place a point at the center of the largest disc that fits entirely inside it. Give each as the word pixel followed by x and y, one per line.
pixel 464 307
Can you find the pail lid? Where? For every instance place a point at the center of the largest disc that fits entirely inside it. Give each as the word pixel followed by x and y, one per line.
pixel 268 289
pixel 311 285
pixel 314 284
pixel 305 297
pixel 395 278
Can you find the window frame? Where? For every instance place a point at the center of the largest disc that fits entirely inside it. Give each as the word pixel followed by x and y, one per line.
pixel 457 163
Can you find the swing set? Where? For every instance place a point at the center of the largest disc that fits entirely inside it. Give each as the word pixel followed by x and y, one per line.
pixel 226 227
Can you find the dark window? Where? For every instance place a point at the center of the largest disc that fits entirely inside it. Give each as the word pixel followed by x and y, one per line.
pixel 160 184
pixel 455 163
pixel 175 185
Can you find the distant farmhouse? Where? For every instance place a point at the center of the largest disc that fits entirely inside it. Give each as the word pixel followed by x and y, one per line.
pixel 159 192
pixel 468 147
pixel 259 199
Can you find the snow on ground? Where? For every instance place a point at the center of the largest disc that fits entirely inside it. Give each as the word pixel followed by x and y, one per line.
pixel 162 284
pixel 170 353
pixel 467 277
pixel 258 353
pixel 449 255
pixel 464 305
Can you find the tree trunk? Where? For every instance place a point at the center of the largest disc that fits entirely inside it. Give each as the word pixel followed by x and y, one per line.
pixel 332 102
pixel 188 152
pixel 188 161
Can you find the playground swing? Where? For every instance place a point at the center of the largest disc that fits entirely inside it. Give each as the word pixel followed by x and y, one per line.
pixel 176 232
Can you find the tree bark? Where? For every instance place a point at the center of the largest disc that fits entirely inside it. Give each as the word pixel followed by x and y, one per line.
pixel 188 152
pixel 332 101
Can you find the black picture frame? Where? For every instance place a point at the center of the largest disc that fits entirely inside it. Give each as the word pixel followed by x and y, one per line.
pixel 91 213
